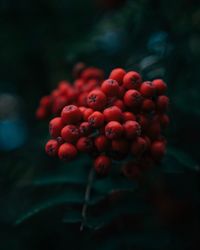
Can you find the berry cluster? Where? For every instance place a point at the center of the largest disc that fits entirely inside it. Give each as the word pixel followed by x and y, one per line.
pixel 121 118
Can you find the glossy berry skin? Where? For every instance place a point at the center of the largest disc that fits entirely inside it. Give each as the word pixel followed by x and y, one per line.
pixel 96 100
pixel 112 113
pixel 160 86
pixel 102 165
pixel 162 103
pixel 67 151
pixel 128 116
pixel 148 105
pixel 96 119
pixel 147 89
pixel 51 147
pixel 84 144
pixel 120 147
pixel 118 75
pixel 132 80
pixel 110 87
pixel 101 142
pixel 70 133
pixel 119 103
pixel 85 128
pixel 132 129
pixel 114 130
pixel 86 113
pixel 55 126
pixel 132 98
pixel 71 114
pixel 138 146
pixel 158 149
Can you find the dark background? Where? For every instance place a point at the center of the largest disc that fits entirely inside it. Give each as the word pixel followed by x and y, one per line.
pixel 40 42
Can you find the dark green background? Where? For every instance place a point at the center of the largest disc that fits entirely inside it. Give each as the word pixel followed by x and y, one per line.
pixel 40 41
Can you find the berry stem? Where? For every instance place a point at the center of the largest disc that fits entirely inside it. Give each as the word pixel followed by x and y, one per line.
pixel 87 197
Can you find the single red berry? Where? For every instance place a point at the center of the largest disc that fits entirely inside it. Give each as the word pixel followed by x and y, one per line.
pixel 92 73
pixel 82 99
pixel 82 109
pixel 72 95
pixel 162 103
pixel 113 130
pixel 117 75
pixel 128 116
pixel 102 165
pixel 131 170
pixel 85 128
pixel 96 120
pixel 119 103
pixel 85 144
pixel 46 102
pixel 164 120
pixel 87 113
pixel 41 113
pixel 158 149
pixel 132 80
pixel 67 151
pixel 55 126
pixel 110 87
pixel 147 89
pixel 101 142
pixel 160 86
pixel 91 84
pixel 79 83
pixel 64 87
pixel 148 105
pixel 55 93
pixel 132 129
pixel 96 99
pixel 132 98
pixel 112 113
pixel 71 114
pixel 138 146
pixel 120 147
pixel 51 147
pixel 70 133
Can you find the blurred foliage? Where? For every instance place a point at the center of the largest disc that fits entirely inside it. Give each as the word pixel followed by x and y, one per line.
pixel 41 198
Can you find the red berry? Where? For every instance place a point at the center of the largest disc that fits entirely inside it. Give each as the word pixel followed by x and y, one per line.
pixel 131 170
pixel 138 146
pixel 132 80
pixel 158 149
pixel 132 98
pixel 70 133
pixel 58 104
pixel 120 146
pixel 119 103
pixel 85 128
pixel 82 99
pixel 41 113
pixel 82 109
pixel 63 88
pixel 45 102
pixel 96 119
pixel 132 129
pixel 55 126
pixel 117 75
pixel 160 86
pixel 78 84
pixel 85 144
pixel 92 73
pixel 112 113
pixel 164 120
pixel 71 114
pixel 67 151
pixel 122 91
pixel 101 142
pixel 147 89
pixel 96 100
pixel 114 130
pixel 162 103
pixel 91 84
pixel 110 87
pixel 51 147
pixel 87 113
pixel 148 105
pixel 102 165
pixel 128 116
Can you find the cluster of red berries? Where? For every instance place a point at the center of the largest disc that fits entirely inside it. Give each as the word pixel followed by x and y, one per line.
pixel 121 118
